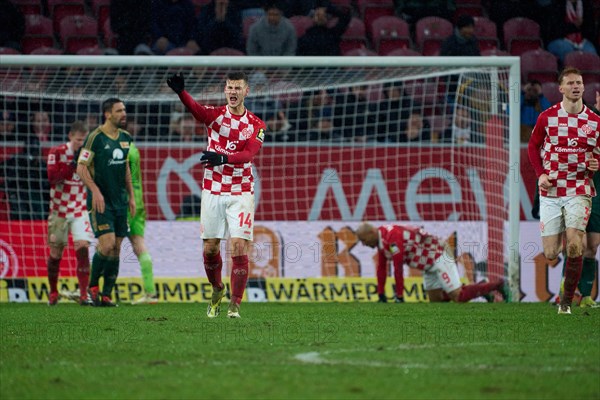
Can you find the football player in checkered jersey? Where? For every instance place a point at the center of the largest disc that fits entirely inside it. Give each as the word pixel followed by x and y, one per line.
pixel 421 250
pixel 563 150
pixel 235 135
pixel 68 213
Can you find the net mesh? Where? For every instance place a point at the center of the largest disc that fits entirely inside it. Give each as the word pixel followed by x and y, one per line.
pixel 418 144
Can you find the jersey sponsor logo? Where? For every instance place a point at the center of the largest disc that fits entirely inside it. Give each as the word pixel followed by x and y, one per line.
pixel 572 142
pixel 246 133
pixel 231 145
pixel 85 155
pixel 51 159
pixel 124 145
pixel 117 159
pixel 568 150
pixel 261 135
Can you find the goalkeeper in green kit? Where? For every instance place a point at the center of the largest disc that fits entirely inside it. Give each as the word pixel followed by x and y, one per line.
pixel 137 227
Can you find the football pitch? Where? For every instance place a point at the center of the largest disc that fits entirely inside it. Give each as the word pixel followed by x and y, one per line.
pixel 300 351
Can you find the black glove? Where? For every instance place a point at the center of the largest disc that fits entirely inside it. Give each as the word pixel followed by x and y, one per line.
pixel 213 159
pixel 176 83
pixel 398 299
pixel 382 298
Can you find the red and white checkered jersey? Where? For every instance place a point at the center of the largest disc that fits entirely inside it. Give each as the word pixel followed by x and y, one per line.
pixel 564 143
pixel 228 134
pixel 409 245
pixel 67 191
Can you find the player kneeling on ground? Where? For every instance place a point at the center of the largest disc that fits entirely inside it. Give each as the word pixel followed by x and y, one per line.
pixel 419 249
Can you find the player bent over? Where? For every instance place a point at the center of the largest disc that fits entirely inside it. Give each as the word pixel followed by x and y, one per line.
pixel 68 213
pixel 103 167
pixel 419 249
pixel 235 135
pixel 137 227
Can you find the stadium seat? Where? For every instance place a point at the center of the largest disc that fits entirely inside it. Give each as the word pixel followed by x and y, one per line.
pixel 538 64
pixel 301 23
pixel 550 90
pixel 90 51
pixel 77 32
pixel 390 33
pixel 589 95
pixel 370 10
pixel 404 53
pixel 38 33
pixel 423 92
pixel 8 51
pixel 588 63
pixel 227 51
pixel 354 37
pixel 430 32
pixel 247 23
pixel 486 33
pixel 198 4
pixel 180 51
pixel 110 39
pixel 60 9
pixel 29 7
pixel 47 51
pixel 101 10
pixel 360 53
pixel 495 52
pixel 520 35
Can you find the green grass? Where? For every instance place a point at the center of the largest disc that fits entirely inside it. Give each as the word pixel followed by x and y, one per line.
pixel 298 351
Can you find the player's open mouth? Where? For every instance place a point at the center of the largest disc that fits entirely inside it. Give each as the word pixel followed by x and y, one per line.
pixel 233 99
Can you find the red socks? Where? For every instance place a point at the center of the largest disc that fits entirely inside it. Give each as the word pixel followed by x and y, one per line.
pixel 470 292
pixel 239 277
pixel 83 270
pixel 572 275
pixel 213 266
pixel 53 266
pixel 381 278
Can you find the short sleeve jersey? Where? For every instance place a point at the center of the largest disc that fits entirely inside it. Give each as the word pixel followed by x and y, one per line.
pixel 229 134
pixel 409 245
pixel 136 176
pixel 569 141
pixel 107 162
pixel 67 197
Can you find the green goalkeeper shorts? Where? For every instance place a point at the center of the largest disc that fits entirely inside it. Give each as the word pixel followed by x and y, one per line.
pixel 137 224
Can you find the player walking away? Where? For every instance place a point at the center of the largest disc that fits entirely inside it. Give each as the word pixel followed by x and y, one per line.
pixel 563 150
pixel 235 135
pixel 137 227
pixel 419 249
pixel 104 168
pixel 68 213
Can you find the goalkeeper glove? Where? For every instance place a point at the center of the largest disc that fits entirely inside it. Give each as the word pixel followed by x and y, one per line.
pixel 177 83
pixel 213 159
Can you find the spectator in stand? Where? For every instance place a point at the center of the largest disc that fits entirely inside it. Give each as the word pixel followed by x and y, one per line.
pixel 12 25
pixel 184 130
pixel 463 42
pixel 393 109
pixel 279 127
pixel 8 127
pixel 172 25
pixel 416 129
pixel 579 13
pixel 461 130
pixel 533 103
pixel 315 117
pixel 355 115
pixel 413 10
pixel 273 34
pixel 219 25
pixel 573 40
pixel 130 21
pixel 26 182
pixel 41 126
pixel 320 39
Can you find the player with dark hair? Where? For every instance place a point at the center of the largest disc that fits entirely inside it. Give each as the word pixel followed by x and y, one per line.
pixel 68 213
pixel 235 135
pixel 421 250
pixel 563 150
pixel 104 168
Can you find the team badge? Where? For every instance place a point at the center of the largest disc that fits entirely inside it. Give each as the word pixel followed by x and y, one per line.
pixel 261 135
pixel 124 145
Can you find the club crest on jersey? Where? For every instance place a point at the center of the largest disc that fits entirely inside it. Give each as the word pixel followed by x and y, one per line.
pixel 124 145
pixel 587 129
pixel 246 133
pixel 261 135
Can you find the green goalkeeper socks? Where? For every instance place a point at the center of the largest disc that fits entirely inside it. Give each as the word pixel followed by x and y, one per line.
pixel 147 273
pixel 588 275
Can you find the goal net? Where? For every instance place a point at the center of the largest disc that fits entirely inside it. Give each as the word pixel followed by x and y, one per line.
pixel 425 141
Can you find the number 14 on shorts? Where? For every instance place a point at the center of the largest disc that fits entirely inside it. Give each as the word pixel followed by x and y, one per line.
pixel 245 219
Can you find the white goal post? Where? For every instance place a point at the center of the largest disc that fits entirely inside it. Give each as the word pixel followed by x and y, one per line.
pixel 341 149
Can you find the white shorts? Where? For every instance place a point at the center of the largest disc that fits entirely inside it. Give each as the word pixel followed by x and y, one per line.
pixel 59 228
pixel 559 213
pixel 442 275
pixel 222 217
